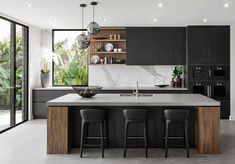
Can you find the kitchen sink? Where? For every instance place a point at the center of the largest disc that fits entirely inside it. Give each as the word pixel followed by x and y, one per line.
pixel 139 95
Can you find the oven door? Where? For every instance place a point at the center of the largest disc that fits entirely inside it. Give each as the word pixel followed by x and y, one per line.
pixel 199 87
pixel 197 72
pixel 219 72
pixel 220 90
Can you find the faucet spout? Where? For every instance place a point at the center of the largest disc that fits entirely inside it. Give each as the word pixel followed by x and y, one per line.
pixel 137 88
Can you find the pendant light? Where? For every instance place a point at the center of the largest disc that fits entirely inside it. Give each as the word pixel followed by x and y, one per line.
pixel 82 39
pixel 93 28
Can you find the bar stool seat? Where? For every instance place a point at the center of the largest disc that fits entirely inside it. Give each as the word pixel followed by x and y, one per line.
pixel 135 116
pixel 93 116
pixel 176 116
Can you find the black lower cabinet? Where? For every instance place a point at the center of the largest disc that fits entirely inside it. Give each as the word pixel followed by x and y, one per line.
pixel 225 110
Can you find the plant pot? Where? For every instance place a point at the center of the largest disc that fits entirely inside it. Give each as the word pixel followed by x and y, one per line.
pixel 172 84
pixel 178 82
pixel 45 80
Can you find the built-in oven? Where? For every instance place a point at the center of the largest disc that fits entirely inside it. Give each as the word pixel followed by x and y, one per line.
pixel 219 72
pixel 199 87
pixel 197 72
pixel 219 90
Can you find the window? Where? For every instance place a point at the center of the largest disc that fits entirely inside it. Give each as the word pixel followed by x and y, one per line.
pixel 69 62
pixel 13 73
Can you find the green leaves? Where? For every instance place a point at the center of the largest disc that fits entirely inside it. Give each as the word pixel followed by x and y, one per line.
pixel 71 66
pixel 177 72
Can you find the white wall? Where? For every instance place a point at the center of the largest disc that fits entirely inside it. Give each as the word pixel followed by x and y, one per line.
pixel 34 63
pixel 232 72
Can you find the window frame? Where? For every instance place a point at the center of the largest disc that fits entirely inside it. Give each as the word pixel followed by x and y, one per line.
pixel 53 36
pixel 26 74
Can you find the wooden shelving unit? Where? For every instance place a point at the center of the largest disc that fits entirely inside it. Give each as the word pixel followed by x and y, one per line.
pixel 104 52
pixel 98 42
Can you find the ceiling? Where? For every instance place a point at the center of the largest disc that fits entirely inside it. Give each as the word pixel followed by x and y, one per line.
pixel 67 13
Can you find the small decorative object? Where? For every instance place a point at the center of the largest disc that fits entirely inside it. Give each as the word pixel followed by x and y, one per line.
pixel 119 50
pixel 93 28
pixel 108 47
pixel 115 50
pixel 176 73
pixel 114 36
pixel 119 36
pixel 87 92
pixel 172 83
pixel 102 61
pixel 111 36
pixel 82 39
pixel 45 75
pixel 118 61
pixel 95 59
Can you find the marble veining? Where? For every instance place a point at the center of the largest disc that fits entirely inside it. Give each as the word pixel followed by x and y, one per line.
pixel 126 76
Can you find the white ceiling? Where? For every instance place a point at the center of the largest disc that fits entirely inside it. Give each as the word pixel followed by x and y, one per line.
pixel 67 13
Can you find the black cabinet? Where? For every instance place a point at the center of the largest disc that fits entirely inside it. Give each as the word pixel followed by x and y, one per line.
pixel 208 44
pixel 156 46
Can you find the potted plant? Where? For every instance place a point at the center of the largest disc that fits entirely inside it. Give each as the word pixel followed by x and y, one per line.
pixel 176 76
pixel 45 75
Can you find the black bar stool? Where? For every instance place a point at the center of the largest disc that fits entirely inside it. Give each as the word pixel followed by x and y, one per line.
pixel 93 116
pixel 176 116
pixel 136 116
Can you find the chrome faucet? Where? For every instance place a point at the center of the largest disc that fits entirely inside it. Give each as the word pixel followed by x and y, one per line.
pixel 136 91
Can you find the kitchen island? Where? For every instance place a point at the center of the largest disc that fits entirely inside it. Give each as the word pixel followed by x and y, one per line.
pixel 63 120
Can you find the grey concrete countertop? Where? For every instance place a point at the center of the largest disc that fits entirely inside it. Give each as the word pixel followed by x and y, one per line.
pixel 118 88
pixel 117 100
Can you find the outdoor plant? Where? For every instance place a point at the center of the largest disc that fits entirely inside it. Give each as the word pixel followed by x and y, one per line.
pixel 5 72
pixel 177 72
pixel 70 65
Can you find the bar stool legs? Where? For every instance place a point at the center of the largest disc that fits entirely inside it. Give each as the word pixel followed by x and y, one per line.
pixel 166 140
pixel 186 137
pixel 145 137
pixel 125 137
pixel 185 133
pixel 102 138
pixel 82 137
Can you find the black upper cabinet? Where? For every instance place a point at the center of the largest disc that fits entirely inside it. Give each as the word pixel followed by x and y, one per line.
pixel 208 44
pixel 156 45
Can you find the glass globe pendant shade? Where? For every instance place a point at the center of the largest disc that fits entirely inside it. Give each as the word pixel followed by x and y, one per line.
pixel 83 41
pixel 93 28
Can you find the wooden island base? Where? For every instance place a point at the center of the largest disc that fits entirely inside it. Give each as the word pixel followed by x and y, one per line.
pixel 207 130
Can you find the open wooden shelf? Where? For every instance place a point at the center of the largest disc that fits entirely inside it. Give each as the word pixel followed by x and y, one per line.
pixel 98 42
pixel 104 52
pixel 108 40
pixel 107 64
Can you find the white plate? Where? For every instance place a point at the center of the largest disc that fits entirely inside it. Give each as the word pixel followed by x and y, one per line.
pixel 108 47
pixel 95 59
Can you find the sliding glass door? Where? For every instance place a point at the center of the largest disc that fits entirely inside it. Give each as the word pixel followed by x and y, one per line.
pixel 13 73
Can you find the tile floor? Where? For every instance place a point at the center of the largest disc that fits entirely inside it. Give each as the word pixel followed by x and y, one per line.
pixel 26 144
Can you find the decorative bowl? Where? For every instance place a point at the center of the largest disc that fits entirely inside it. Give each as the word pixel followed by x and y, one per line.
pixel 87 92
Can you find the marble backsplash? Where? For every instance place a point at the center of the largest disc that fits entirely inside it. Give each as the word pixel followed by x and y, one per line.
pixel 126 76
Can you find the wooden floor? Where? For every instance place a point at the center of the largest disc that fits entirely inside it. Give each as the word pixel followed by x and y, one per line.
pixel 27 144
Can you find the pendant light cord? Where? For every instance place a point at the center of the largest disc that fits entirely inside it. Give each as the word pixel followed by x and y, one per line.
pixel 93 13
pixel 82 18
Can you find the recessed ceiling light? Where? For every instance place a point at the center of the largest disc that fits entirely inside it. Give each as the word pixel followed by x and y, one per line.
pixel 226 5
pixel 155 20
pixel 205 20
pixel 29 5
pixel 160 5
pixel 55 20
pixel 104 19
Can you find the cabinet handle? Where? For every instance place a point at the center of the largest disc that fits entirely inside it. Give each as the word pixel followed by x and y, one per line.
pixel 208 91
pixel 209 73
